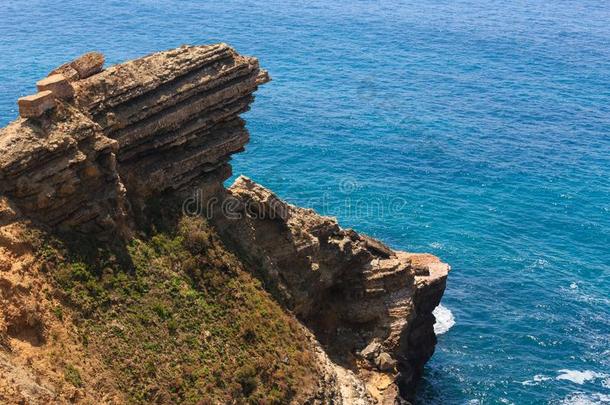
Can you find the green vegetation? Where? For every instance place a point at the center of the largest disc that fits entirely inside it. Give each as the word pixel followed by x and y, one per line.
pixel 72 375
pixel 178 320
pixel 59 313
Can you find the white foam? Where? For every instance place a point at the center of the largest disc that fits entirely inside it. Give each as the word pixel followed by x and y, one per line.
pixel 444 319
pixel 436 245
pixel 579 377
pixel 579 398
pixel 538 378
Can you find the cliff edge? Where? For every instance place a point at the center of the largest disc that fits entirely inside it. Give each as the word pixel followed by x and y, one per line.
pixel 111 156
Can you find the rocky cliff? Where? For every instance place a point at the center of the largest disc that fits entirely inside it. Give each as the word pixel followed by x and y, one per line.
pixel 95 146
pixel 369 306
pixel 140 128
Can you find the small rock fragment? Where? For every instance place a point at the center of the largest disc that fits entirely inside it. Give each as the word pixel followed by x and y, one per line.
pixel 371 350
pixel 385 362
pixel 263 77
pixel 36 104
pixel 57 84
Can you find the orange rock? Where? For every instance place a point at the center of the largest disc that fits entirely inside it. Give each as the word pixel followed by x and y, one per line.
pixel 58 84
pixel 91 171
pixel 67 71
pixel 36 104
pixel 88 64
pixel 81 67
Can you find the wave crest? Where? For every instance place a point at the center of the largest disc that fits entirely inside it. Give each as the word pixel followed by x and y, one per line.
pixel 579 377
pixel 444 319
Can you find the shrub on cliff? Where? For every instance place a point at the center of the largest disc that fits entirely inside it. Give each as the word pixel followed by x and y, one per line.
pixel 178 320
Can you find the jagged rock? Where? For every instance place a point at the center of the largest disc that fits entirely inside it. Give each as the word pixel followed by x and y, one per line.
pixel 377 246
pixel 385 362
pixel 62 172
pixel 81 67
pixel 175 114
pixel 35 105
pixel 371 351
pixel 162 122
pixel 352 292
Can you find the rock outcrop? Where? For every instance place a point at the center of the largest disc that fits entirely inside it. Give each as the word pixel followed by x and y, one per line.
pixel 60 170
pixel 371 307
pixel 94 146
pixel 162 122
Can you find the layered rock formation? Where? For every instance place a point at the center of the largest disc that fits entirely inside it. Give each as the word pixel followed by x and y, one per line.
pixel 170 119
pixel 168 123
pixel 60 170
pixel 371 307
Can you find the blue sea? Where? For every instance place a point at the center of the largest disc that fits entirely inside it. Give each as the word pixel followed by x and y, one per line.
pixel 475 130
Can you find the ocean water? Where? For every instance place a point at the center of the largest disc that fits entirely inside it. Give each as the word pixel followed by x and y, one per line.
pixel 475 130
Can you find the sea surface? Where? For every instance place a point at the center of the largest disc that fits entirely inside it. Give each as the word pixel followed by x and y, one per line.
pixel 475 130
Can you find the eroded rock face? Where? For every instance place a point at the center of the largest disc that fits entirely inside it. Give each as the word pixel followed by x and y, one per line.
pixel 371 307
pixel 134 130
pixel 175 114
pixel 168 123
pixel 61 171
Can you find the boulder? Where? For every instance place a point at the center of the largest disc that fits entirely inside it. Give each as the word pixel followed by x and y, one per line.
pixel 82 67
pixel 371 351
pixel 36 104
pixel 67 71
pixel 57 84
pixel 385 362
pixel 88 64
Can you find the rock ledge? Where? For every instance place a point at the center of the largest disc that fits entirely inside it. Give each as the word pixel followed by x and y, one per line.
pixel 95 145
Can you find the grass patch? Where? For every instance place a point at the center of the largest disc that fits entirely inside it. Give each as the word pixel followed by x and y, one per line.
pixel 72 375
pixel 178 320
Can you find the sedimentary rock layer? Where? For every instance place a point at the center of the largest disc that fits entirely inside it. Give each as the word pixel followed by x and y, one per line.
pixel 174 114
pixel 61 171
pixel 370 306
pixel 108 140
pixel 153 124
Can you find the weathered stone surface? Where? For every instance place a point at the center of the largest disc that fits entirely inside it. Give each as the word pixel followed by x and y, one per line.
pixel 67 71
pixel 169 122
pixel 81 67
pixel 36 104
pixel 175 114
pixel 371 351
pixel 162 122
pixel 61 172
pixel 58 85
pixel 385 362
pixel 357 294
pixel 88 64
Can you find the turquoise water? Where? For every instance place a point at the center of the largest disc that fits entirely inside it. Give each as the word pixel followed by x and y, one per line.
pixel 475 130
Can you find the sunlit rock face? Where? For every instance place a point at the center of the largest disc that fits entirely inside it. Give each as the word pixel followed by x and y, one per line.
pixel 94 146
pixel 370 306
pixel 162 122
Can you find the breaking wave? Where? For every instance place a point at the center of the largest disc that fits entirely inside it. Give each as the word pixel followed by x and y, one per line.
pixel 579 377
pixel 579 398
pixel 444 319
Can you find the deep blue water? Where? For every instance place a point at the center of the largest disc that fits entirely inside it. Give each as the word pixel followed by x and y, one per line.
pixel 475 130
